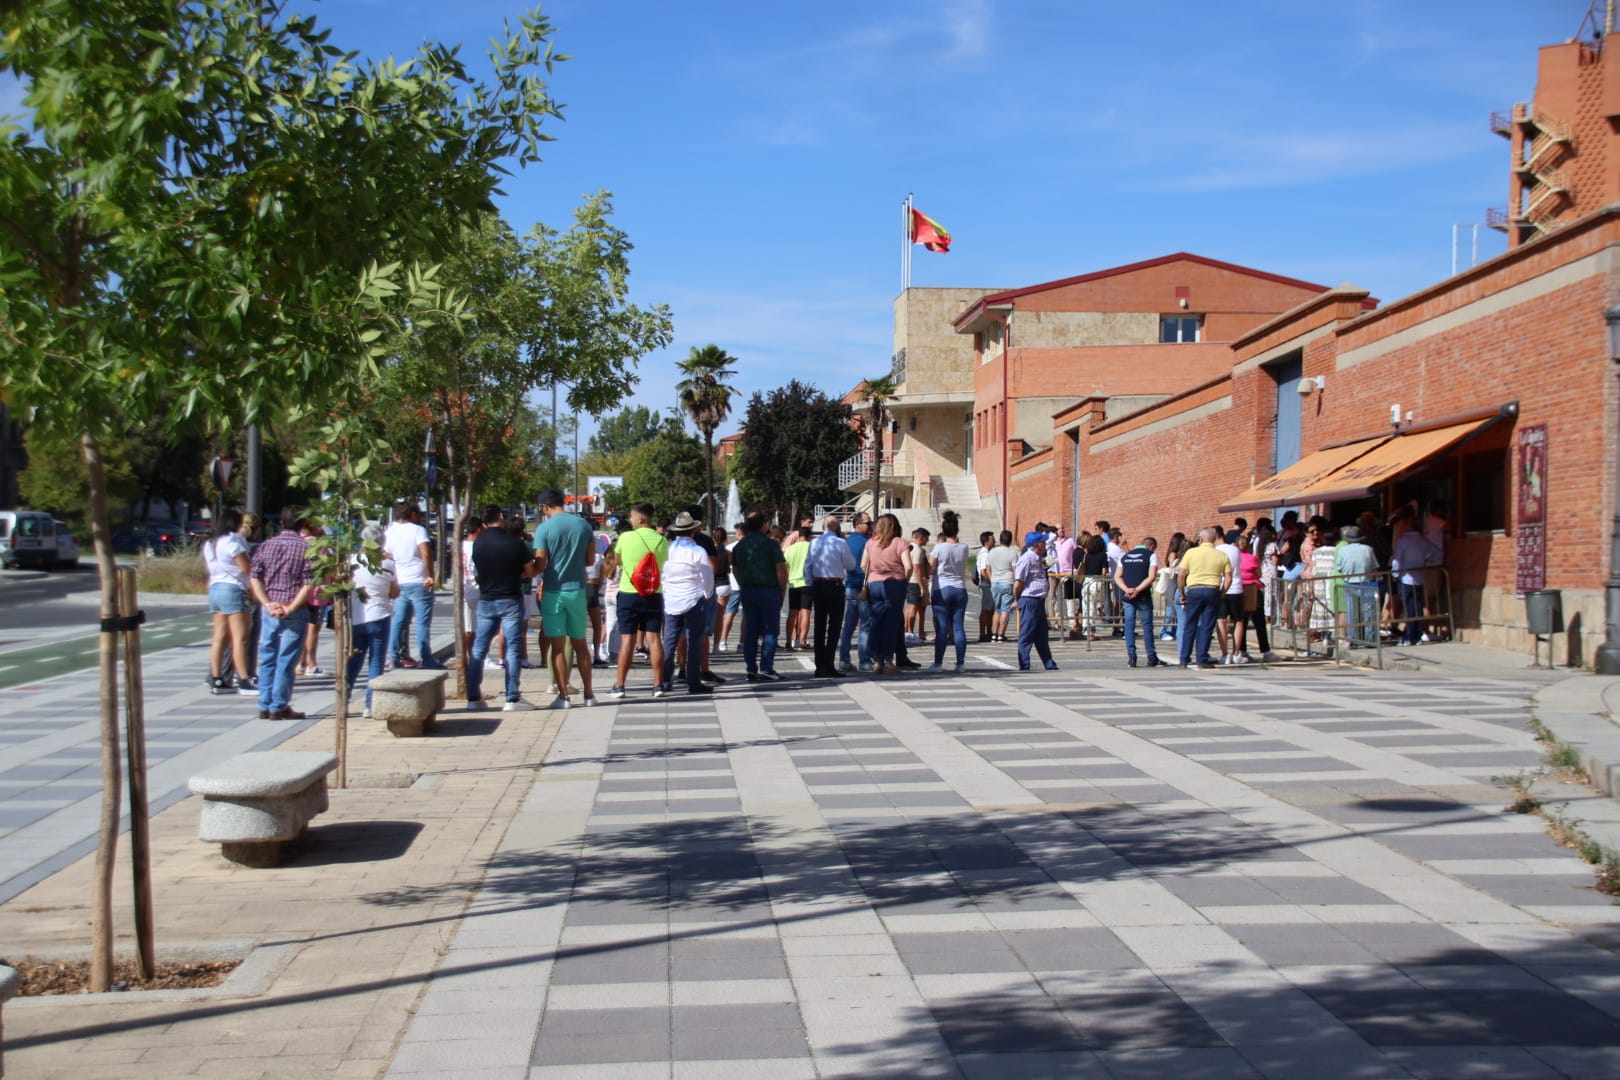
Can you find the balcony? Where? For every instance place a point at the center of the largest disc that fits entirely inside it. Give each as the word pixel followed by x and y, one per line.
pixel 857 470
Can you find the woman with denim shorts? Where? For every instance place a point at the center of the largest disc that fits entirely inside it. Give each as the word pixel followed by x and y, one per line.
pixel 225 554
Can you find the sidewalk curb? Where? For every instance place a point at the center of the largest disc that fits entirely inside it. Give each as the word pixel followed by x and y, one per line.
pixel 1577 711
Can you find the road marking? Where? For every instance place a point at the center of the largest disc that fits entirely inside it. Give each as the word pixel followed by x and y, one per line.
pixel 9 667
pixel 993 662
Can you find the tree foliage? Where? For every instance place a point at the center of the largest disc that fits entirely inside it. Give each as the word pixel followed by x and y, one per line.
pixel 793 440
pixel 706 397
pixel 667 471
pixel 623 431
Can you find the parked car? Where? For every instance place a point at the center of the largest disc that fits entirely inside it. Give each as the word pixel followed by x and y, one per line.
pixel 27 538
pixel 149 538
pixel 67 545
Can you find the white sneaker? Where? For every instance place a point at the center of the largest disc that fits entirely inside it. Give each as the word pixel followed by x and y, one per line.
pixel 516 706
pixel 1426 640
pixel 722 647
pixel 559 702
pixel 590 702
pixel 1242 658
pixel 475 706
pixel 660 690
pixel 933 669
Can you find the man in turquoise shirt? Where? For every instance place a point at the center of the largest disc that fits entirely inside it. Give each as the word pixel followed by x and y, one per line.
pixel 564 546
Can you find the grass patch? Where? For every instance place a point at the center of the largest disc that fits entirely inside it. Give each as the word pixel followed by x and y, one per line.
pixel 180 572
pixel 1519 783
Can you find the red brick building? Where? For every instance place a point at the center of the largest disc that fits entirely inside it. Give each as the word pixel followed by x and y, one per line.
pixel 1494 390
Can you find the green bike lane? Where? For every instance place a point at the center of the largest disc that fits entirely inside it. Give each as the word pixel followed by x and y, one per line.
pixel 19 667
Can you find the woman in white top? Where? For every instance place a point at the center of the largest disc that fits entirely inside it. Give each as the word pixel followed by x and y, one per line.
pixel 372 612
pixel 226 556
pixel 950 592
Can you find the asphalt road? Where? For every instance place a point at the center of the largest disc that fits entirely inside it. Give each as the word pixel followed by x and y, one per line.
pixel 48 623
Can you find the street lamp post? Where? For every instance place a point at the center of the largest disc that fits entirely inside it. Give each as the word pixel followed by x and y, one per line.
pixel 1607 661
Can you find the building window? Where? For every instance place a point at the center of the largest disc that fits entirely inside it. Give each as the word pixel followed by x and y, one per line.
pixel 1178 328
pixel 1484 492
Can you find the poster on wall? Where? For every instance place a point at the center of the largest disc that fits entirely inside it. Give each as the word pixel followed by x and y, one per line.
pixel 1531 520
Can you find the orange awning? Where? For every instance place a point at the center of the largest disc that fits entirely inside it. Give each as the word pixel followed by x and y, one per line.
pixel 1358 478
pixel 1307 471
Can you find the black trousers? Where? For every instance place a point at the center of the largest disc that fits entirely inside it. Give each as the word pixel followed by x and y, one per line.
pixel 827 601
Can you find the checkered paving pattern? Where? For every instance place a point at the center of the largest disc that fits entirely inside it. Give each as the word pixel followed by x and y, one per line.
pixel 50 753
pixel 1097 873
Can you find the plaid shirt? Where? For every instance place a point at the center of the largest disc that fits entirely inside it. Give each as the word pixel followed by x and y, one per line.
pixel 282 564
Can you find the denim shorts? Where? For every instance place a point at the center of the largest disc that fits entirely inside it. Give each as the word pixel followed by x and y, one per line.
pixel 1003 593
pixel 226 599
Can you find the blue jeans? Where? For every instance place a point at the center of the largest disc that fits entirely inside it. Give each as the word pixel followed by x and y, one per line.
pixel 857 617
pixel 1412 603
pixel 418 599
pixel 950 619
pixel 762 621
pixel 1140 608
pixel 281 644
pixel 694 623
pixel 507 617
pixel 370 642
pixel 1032 631
pixel 887 603
pixel 1203 606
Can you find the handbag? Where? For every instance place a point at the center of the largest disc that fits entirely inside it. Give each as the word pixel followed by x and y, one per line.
pixel 865 594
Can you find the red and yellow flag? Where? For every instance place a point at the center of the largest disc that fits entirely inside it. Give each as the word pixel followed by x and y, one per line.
pixel 928 232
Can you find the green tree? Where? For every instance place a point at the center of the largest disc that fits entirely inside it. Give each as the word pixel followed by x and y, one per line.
pixel 879 392
pixel 210 210
pixel 706 397
pixel 793 440
pixel 666 471
pixel 623 431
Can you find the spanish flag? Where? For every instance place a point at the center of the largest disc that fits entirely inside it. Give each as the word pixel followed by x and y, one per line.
pixel 928 232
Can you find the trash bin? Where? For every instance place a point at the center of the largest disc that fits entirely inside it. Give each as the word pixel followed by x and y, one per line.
pixel 1544 611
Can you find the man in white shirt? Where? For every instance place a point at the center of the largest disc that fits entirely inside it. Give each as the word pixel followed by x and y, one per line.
pixel 688 587
pixel 827 567
pixel 407 543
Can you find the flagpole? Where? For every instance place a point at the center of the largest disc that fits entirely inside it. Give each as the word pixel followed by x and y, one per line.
pixel 905 238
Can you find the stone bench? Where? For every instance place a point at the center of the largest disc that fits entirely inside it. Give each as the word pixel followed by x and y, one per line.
pixel 253 803
pixel 408 699
pixel 10 983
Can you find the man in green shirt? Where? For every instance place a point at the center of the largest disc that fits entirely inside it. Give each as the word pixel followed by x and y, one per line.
pixel 798 590
pixel 762 577
pixel 639 613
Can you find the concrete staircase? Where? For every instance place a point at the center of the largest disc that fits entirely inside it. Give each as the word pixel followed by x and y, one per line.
pixel 959 493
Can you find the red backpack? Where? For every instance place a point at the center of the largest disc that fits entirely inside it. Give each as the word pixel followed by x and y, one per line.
pixel 645 576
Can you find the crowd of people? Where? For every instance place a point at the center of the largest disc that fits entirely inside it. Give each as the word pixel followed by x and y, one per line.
pixel 671 594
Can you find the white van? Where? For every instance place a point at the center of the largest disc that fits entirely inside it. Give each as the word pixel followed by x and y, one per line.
pixel 27 538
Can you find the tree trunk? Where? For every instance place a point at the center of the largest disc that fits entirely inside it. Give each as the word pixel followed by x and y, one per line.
pixel 140 840
pixel 877 461
pixel 708 472
pixel 101 929
pixel 343 631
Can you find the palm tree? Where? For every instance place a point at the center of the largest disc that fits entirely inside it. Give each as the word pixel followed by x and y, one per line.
pixel 706 397
pixel 879 392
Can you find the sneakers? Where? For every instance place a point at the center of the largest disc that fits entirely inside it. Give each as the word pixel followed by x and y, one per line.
pixel 1051 665
pixel 406 662
pixel 313 669
pixel 1242 658
pixel 770 676
pixel 660 690
pixel 934 669
pixel 498 661
pixel 246 687
pixel 558 702
pixel 866 666
pixel 475 706
pixel 1426 640
pixel 590 702
pixel 958 669
pixel 700 688
pixel 615 693
pixel 722 647
pixel 1270 658
pixel 1130 661
pixel 219 686
pixel 518 705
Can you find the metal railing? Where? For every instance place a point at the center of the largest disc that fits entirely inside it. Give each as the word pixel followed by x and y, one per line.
pixel 858 467
pixel 1327 616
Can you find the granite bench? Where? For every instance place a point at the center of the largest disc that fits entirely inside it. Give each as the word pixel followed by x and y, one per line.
pixel 408 699
pixel 253 803
pixel 10 983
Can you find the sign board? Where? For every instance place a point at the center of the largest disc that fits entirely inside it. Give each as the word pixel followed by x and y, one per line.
pixel 1530 522
pixel 220 471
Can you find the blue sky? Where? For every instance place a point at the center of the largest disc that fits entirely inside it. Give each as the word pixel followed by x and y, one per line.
pixel 758 153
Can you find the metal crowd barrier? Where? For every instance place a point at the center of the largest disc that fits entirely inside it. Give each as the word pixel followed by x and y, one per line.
pixel 1346 615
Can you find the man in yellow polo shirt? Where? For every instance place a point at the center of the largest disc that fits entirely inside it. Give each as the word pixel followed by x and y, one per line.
pixel 636 612
pixel 1205 574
